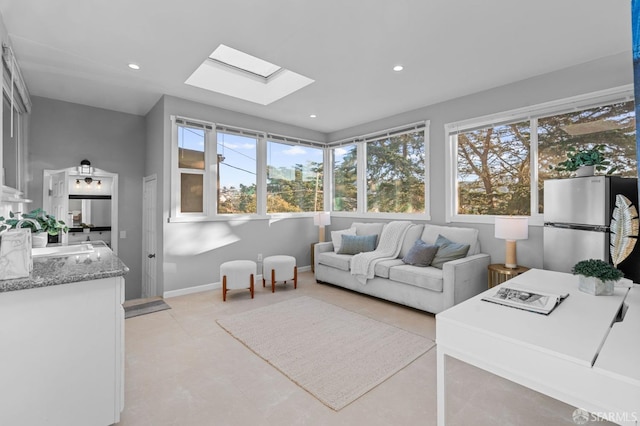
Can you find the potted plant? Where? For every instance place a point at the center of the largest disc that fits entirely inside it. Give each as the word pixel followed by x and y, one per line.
pixel 585 161
pixel 49 225
pixel 596 276
pixel 86 227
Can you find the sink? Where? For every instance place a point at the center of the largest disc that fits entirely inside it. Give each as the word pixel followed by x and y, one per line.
pixel 62 250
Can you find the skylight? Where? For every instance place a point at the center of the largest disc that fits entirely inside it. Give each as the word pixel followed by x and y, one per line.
pixel 235 73
pixel 244 61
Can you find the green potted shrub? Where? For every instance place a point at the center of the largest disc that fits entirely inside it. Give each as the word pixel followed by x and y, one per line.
pixel 596 276
pixel 585 161
pixel 86 227
pixel 49 225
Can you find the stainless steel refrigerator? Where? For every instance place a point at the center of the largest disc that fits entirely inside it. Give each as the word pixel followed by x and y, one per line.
pixel 577 215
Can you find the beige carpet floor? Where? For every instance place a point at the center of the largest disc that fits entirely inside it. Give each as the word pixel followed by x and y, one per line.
pixel 334 354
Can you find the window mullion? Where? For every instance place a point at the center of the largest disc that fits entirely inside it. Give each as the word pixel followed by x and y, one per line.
pixel 261 181
pixel 361 173
pixel 533 165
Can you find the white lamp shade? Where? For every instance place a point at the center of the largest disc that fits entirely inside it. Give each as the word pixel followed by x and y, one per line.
pixel 512 228
pixel 322 218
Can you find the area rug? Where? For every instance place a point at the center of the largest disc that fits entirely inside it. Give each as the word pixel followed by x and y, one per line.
pixel 334 354
pixel 145 308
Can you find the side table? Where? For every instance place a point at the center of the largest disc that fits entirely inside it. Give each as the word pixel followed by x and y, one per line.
pixel 498 273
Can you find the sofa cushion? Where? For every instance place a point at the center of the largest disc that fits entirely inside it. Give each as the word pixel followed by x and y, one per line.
pixel 354 244
pixel 448 250
pixel 336 237
pixel 428 278
pixel 459 235
pixel 382 268
pixel 412 235
pixel 368 229
pixel 421 254
pixel 338 261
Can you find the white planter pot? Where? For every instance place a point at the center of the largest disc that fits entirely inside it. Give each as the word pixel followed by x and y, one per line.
pixel 595 286
pixel 39 239
pixel 585 171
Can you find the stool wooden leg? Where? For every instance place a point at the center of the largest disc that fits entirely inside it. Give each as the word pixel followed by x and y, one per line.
pixel 295 277
pixel 273 281
pixel 251 287
pixel 224 288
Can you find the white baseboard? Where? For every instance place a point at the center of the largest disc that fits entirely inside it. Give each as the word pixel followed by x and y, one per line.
pixel 212 286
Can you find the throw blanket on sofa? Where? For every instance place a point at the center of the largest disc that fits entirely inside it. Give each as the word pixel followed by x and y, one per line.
pixel 363 264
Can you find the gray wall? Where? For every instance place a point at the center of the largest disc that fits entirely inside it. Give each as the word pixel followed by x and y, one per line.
pixel 190 254
pixel 193 252
pixel 62 134
pixel 605 73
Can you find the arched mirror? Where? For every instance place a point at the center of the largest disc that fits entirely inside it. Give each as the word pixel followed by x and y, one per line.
pixel 86 198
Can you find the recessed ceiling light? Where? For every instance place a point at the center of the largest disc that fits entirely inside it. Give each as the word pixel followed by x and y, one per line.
pixel 312 116
pixel 134 66
pixel 398 68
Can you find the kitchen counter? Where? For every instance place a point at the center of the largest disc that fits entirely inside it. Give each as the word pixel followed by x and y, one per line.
pixel 69 268
pixel 62 358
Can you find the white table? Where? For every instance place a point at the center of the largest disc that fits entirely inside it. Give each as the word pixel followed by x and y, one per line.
pixel 573 355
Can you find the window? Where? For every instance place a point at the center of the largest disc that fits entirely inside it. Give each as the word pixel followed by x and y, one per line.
pixel 611 125
pixel 236 173
pixel 382 173
pixel 500 162
pixel 396 174
pixel 192 162
pixel 294 178
pixel 345 167
pixel 493 170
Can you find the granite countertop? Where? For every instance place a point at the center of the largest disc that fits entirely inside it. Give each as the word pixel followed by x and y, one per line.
pixel 63 269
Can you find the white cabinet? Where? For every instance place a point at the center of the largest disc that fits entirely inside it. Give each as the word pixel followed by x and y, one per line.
pixel 62 354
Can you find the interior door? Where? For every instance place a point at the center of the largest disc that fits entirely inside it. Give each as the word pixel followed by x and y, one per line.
pixel 59 200
pixel 149 263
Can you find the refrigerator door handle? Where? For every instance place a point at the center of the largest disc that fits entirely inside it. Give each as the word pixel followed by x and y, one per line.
pixel 594 228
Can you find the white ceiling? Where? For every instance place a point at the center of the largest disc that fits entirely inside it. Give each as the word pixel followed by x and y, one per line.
pixel 78 50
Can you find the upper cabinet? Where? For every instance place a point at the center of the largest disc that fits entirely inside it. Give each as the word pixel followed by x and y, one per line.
pixel 15 107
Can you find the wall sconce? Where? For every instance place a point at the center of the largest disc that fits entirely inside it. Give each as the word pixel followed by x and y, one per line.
pixel 85 167
pixel 321 219
pixel 511 228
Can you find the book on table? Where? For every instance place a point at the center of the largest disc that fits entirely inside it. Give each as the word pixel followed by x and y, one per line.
pixel 529 300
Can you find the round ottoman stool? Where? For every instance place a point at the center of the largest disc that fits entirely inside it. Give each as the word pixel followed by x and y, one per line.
pixel 237 274
pixel 279 268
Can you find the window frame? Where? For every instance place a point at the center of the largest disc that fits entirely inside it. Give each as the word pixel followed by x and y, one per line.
pixel 531 113
pixel 208 205
pixel 286 141
pixel 210 201
pixel 361 181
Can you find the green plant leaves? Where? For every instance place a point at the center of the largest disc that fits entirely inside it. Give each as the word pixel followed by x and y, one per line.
pixel 48 223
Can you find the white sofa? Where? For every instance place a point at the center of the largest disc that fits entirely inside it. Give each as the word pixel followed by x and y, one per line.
pixel 426 288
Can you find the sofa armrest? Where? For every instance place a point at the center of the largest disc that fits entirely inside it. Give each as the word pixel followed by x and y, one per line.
pixel 464 278
pixel 320 248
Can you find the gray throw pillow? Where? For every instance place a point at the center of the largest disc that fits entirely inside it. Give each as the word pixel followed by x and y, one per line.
pixel 354 244
pixel 421 254
pixel 448 251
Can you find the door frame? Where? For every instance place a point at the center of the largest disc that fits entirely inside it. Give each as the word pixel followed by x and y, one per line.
pixel 149 210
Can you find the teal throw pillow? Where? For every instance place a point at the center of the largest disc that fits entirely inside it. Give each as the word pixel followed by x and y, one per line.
pixel 448 251
pixel 421 254
pixel 354 244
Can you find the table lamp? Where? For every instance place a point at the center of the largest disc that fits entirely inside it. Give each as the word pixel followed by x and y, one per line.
pixel 321 219
pixel 511 229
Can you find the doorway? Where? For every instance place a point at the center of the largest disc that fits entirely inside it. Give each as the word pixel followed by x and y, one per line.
pixel 149 259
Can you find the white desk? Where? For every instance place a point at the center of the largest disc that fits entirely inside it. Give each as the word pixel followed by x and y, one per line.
pixel 551 354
